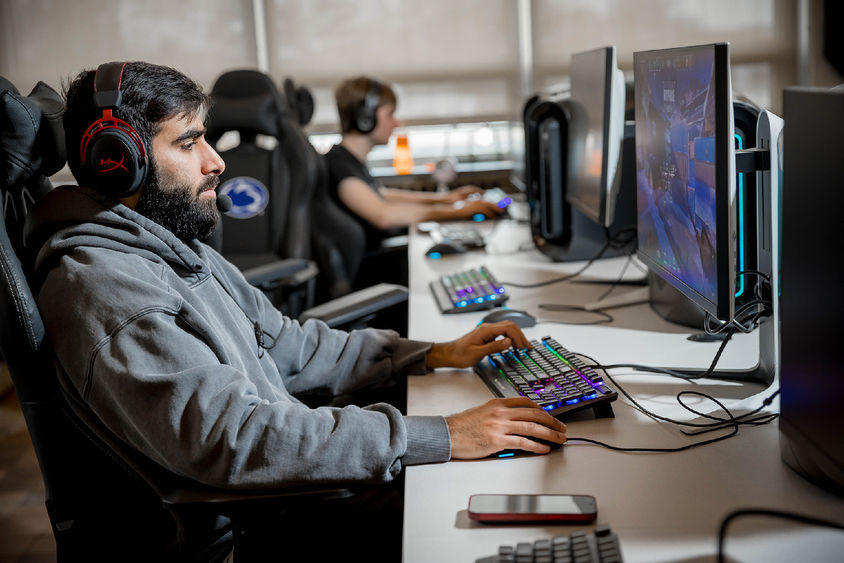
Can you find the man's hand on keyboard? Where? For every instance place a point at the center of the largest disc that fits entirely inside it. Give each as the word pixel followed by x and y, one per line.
pixel 474 346
pixel 503 424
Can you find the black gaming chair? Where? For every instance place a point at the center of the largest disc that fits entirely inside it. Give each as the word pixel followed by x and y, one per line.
pixel 105 501
pixel 262 230
pixel 336 240
pixel 248 102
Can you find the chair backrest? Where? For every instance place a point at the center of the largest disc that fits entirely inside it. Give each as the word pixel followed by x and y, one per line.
pixel 336 240
pixel 300 101
pixel 303 162
pixel 258 177
pixel 339 242
pixel 98 506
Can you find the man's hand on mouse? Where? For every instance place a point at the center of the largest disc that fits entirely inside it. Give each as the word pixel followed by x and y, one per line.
pixel 468 350
pixel 503 424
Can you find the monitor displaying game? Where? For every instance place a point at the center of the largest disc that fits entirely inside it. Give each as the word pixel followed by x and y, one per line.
pixel 685 168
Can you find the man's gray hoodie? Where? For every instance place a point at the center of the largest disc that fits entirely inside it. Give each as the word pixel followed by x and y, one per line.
pixel 159 339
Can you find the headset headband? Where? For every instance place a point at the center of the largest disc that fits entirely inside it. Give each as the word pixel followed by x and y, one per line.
pixel 373 95
pixel 107 82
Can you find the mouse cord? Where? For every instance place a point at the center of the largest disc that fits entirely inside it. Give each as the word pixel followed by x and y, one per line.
pixel 731 421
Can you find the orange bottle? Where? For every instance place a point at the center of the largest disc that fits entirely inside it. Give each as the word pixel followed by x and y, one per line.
pixel 402 160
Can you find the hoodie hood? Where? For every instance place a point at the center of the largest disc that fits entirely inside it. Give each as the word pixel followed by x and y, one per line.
pixel 69 217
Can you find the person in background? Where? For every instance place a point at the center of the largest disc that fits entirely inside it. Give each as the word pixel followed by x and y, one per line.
pixel 367 118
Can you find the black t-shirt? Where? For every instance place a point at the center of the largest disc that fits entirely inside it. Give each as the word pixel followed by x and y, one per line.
pixel 342 164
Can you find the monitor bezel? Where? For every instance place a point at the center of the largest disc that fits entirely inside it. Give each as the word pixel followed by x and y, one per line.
pixel 725 185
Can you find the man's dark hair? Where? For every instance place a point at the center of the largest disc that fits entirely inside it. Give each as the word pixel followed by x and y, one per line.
pixel 151 94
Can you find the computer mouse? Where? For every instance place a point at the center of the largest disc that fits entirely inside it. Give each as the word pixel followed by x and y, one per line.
pixel 523 319
pixel 513 452
pixel 445 247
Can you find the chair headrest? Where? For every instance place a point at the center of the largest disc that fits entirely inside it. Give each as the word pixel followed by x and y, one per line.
pixel 246 101
pixel 300 101
pixel 31 133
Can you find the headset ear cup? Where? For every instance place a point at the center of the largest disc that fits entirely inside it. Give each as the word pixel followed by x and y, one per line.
pixel 364 120
pixel 114 164
pixel 366 117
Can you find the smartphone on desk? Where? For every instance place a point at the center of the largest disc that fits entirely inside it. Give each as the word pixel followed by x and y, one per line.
pixel 532 508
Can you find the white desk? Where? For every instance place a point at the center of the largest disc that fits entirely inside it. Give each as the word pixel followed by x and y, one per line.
pixel 663 506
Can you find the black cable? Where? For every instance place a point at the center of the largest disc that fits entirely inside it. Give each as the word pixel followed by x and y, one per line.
pixel 725 522
pixel 259 331
pixel 618 280
pixel 757 308
pixel 762 275
pixel 562 278
pixel 607 318
pixel 617 241
pixel 732 421
pixel 666 371
pixel 622 238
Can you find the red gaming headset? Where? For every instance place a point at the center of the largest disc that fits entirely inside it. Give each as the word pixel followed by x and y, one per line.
pixel 112 155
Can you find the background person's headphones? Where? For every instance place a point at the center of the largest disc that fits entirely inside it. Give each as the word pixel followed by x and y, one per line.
pixel 112 155
pixel 365 115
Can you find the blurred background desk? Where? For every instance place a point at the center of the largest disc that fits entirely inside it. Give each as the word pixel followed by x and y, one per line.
pixel 663 506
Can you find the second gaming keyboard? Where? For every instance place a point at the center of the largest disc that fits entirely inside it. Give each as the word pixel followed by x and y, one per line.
pixel 600 546
pixel 468 290
pixel 551 376
pixel 469 236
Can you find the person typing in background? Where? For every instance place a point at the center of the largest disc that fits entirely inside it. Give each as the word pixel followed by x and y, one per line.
pixel 367 118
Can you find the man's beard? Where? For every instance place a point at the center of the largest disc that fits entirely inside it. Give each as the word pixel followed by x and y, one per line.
pixel 177 207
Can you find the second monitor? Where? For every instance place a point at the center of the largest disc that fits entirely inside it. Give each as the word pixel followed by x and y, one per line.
pixel 579 163
pixel 597 130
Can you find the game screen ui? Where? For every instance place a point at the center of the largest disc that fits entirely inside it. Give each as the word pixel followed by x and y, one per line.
pixel 675 165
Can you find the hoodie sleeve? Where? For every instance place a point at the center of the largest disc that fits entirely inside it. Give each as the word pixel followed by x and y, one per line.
pixel 173 399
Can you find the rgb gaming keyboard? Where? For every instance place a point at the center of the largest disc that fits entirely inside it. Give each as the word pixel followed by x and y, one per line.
pixel 558 380
pixel 469 290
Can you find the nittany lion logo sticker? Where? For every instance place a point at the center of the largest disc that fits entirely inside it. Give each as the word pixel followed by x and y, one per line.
pixel 249 196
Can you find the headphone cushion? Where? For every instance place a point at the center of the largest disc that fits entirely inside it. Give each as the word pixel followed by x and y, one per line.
pixel 114 163
pixel 364 121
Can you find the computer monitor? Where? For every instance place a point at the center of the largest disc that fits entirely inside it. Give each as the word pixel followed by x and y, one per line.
pixel 685 172
pixel 597 131
pixel 812 306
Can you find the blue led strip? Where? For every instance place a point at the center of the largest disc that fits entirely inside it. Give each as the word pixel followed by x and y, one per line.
pixel 740 222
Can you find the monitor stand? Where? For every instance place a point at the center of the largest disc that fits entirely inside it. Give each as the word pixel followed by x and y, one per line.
pixel 671 305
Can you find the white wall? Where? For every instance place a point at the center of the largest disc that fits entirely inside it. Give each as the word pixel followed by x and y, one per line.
pixel 451 60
